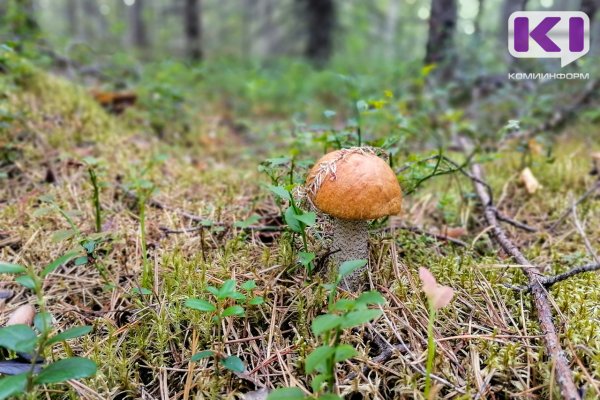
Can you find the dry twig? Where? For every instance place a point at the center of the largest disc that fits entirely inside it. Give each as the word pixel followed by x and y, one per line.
pixel 541 301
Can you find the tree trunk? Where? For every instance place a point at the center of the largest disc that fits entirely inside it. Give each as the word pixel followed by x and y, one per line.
pixel 192 23
pixel 320 21
pixel 478 17
pixel 509 7
pixel 391 25
pixel 442 23
pixel 139 34
pixel 71 13
pixel 590 7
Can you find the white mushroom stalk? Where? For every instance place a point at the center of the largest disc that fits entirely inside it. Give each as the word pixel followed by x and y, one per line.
pixel 353 186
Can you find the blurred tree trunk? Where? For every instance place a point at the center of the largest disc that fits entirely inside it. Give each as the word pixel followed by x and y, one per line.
pixel 71 12
pixel 139 34
pixel 509 7
pixel 590 7
pixel 320 21
pixel 94 24
pixel 192 23
pixel 477 24
pixel 442 23
pixel 390 28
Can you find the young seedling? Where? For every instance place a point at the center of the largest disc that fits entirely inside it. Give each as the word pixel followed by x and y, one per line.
pixel 32 344
pixel 220 307
pixel 438 297
pixel 342 315
pixel 144 189
pixel 297 221
pixel 89 243
pixel 94 171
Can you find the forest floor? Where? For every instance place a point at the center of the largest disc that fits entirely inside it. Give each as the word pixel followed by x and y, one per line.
pixel 489 341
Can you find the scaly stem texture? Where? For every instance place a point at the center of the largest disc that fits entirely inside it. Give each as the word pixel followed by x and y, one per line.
pixel 351 238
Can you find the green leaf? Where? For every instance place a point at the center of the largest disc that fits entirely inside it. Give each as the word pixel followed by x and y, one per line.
pixel 65 369
pixel 61 235
pixel 349 267
pixel 280 192
pixel 317 383
pixel 370 297
pixel 25 280
pixel 89 246
pixel 305 258
pixel 325 323
pixel 343 305
pixel 291 220
pixel 362 105
pixel 8 268
pixel 234 363
pixel 237 296
pixel 65 258
pixel 213 290
pixel 227 289
pixel 253 219
pixel 43 321
pixel 18 338
pixel 356 318
pixel 200 305
pixel 249 285
pixel 233 310
pixel 307 218
pixel 70 333
pixel 81 260
pixel 202 354
pixel 258 300
pixel 143 291
pixel 316 361
pixel 286 394
pixel 344 352
pixel 12 385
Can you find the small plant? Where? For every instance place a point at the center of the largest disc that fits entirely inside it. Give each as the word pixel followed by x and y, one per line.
pixel 297 221
pixel 93 167
pixel 89 243
pixel 438 297
pixel 34 343
pixel 144 189
pixel 221 307
pixel 342 315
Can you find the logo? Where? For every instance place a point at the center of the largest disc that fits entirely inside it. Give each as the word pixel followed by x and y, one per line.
pixel 549 34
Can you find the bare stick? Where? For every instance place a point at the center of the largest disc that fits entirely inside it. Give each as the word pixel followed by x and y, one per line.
pixel 580 200
pixel 514 222
pixel 581 231
pixel 548 281
pixel 541 302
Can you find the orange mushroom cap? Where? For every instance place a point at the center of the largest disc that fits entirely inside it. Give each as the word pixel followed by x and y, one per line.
pixel 354 184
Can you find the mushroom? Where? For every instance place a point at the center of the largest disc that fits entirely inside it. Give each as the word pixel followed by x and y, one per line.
pixel 353 186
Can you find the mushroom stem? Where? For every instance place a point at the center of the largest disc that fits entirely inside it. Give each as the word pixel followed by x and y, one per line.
pixel 352 240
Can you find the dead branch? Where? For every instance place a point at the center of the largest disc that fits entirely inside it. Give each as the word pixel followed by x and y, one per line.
pixel 580 200
pixel 514 222
pixel 541 302
pixel 548 281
